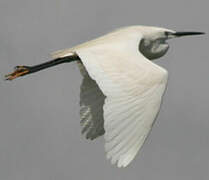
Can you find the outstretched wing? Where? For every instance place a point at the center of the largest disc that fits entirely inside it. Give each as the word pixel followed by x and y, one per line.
pixel 91 106
pixel 134 87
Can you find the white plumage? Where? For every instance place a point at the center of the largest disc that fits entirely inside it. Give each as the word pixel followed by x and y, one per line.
pixel 133 87
pixel 122 88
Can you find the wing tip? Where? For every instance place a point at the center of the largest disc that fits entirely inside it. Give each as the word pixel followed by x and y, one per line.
pixel 122 161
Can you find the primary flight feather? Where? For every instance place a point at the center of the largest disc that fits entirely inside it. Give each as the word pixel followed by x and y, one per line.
pixel 122 88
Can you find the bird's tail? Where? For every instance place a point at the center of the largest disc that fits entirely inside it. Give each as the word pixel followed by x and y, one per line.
pixel 24 70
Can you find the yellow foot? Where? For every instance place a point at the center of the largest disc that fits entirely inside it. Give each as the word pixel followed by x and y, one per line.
pixel 19 71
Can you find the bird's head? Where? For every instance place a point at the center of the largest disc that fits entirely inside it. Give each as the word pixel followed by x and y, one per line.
pixel 153 43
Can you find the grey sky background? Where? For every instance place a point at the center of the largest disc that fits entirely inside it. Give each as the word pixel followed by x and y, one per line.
pixel 39 115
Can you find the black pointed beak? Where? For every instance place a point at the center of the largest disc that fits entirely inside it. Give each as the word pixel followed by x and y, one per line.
pixel 186 33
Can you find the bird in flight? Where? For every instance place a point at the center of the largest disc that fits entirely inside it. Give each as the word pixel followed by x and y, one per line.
pixel 122 88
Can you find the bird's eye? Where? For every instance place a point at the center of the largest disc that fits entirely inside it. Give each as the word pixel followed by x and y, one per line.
pixel 166 33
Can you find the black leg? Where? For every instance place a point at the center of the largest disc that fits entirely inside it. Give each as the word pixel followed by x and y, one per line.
pixel 24 70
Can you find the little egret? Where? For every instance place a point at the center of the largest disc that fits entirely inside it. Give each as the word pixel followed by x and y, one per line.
pixel 122 88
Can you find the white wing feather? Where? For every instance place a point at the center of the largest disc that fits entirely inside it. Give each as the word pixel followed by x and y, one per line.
pixel 91 106
pixel 133 87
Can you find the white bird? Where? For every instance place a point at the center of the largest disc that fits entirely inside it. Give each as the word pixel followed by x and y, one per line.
pixel 122 88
